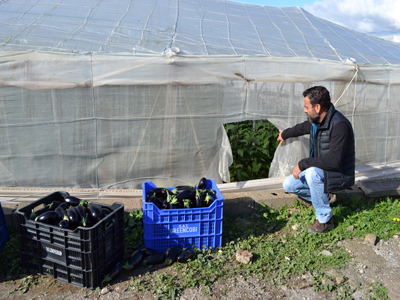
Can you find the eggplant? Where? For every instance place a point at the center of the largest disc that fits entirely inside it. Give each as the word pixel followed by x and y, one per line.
pixel 83 203
pixel 208 198
pixel 186 194
pixel 151 196
pixel 210 192
pixel 155 258
pixel 53 205
pixel 198 199
pixel 61 212
pixel 166 204
pixel 180 188
pixel 94 213
pixel 184 187
pixel 185 255
pixel 135 260
pixel 156 201
pixel 158 196
pixel 73 201
pixel 48 217
pixel 174 202
pixel 204 198
pixel 161 193
pixel 187 203
pixel 113 273
pixel 73 216
pixel 42 210
pixel 202 183
pixel 64 205
pixel 159 203
pixel 81 211
pixel 171 255
pixel 64 224
pixel 87 221
pixel 32 216
pixel 148 251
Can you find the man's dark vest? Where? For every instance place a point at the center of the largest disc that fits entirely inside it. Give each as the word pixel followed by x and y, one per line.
pixel 344 176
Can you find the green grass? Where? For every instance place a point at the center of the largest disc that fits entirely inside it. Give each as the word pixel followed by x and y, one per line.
pixel 281 254
pixel 369 217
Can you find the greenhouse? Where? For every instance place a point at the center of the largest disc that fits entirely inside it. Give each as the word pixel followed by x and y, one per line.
pixel 103 95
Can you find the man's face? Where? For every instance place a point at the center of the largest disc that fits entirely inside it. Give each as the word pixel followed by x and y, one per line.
pixel 310 111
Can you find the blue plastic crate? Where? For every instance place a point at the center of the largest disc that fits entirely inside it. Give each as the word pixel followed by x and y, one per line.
pixel 4 235
pixel 167 228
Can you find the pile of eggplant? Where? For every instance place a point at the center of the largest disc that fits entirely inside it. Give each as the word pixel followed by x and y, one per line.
pixel 152 257
pixel 70 214
pixel 184 196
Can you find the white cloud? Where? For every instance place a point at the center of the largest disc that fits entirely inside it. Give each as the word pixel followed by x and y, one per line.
pixel 361 15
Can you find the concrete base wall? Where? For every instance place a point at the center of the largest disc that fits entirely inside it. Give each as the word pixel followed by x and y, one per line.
pixel 234 203
pixel 247 202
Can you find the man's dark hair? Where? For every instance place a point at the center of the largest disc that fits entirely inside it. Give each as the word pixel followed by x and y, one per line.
pixel 318 95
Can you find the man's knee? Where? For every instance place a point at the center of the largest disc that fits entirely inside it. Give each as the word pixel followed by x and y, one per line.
pixel 314 175
pixel 288 184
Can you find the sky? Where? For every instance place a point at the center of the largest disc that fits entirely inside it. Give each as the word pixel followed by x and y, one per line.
pixel 379 17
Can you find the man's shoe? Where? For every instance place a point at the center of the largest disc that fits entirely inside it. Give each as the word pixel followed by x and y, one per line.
pixel 318 227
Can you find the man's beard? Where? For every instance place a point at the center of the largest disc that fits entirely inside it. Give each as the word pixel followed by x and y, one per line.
pixel 314 119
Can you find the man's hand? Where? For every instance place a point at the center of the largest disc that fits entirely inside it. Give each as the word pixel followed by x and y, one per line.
pixel 280 139
pixel 296 171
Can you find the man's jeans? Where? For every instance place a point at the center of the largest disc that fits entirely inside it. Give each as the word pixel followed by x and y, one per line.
pixel 310 187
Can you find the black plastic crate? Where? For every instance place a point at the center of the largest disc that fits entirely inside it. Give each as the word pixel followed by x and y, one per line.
pixel 82 256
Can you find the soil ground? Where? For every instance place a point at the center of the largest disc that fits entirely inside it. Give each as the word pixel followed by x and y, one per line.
pixel 371 263
pixel 379 263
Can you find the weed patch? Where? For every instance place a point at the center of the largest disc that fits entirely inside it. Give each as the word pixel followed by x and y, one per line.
pixel 281 254
pixel 375 217
pixel 377 291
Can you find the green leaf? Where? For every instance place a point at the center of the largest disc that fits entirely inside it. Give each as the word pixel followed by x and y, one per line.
pixel 126 266
pixel 256 168
pixel 174 200
pixel 186 203
pixel 107 278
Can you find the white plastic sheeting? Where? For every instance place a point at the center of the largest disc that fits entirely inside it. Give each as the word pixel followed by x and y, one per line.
pixel 195 27
pixel 107 94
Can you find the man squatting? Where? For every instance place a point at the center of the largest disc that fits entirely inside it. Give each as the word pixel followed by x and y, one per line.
pixel 331 165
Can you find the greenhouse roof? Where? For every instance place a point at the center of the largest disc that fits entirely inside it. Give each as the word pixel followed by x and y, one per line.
pixel 188 27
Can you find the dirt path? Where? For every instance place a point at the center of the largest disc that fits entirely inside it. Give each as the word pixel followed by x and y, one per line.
pixel 379 263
